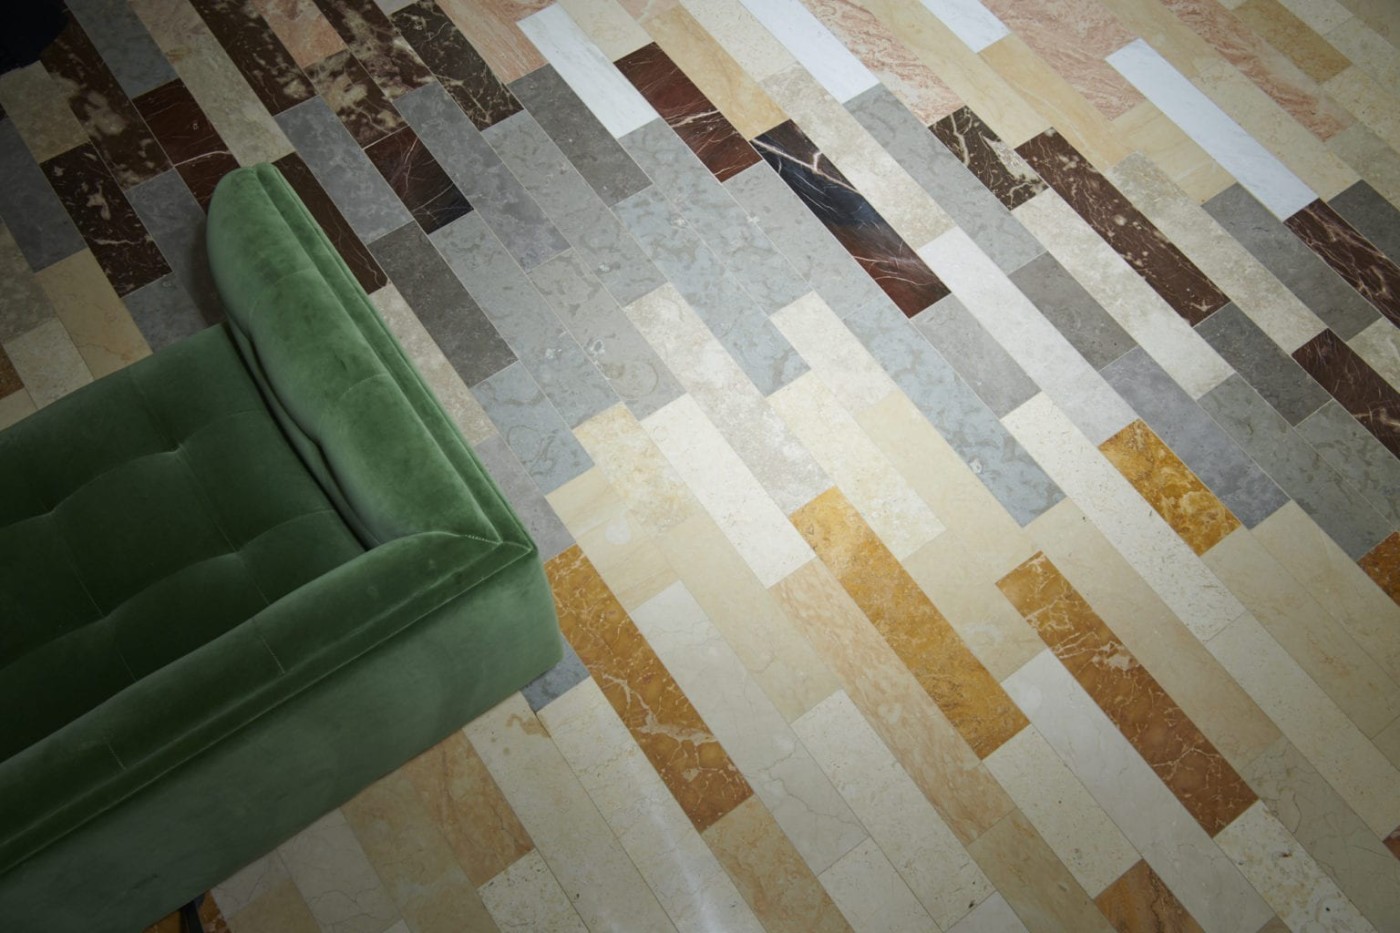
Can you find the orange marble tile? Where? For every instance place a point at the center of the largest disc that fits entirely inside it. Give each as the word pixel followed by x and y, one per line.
pixel 211 916
pixel 919 634
pixel 1270 70
pixel 1382 565
pixel 1186 761
pixel 667 727
pixel 303 29
pixel 1139 901
pixel 1276 24
pixel 1170 487
pixel 1392 842
pixel 466 804
pixel 489 26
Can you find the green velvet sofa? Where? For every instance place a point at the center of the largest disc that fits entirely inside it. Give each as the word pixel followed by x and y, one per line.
pixel 239 581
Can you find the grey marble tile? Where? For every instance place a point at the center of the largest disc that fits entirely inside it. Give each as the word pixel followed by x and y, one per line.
pixel 975 354
pixel 739 325
pixel 585 142
pixel 964 420
pixel 709 208
pixel 598 237
pixel 598 323
pixel 524 319
pixel 532 428
pixel 974 208
pixel 1372 215
pixel 124 44
pixel 1355 453
pixel 530 505
pixel 176 222
pixel 164 312
pixel 28 206
pixel 342 168
pixel 475 168
pixel 556 681
pixel 23 304
pixel 1274 374
pixel 460 329
pixel 1300 269
pixel 1084 323
pixel 1193 436
pixel 1298 469
pixel 808 245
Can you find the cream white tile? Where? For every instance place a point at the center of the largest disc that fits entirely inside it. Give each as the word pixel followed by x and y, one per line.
pixel 1199 117
pixel 1388 741
pixel 592 868
pixel 742 36
pixel 993 915
pixel 906 828
pixel 637 469
pixel 834 353
pixel 653 829
pixel 47 362
pixel 1150 545
pixel 1124 294
pixel 758 739
pixel 610 26
pixel 1366 780
pixel 600 86
pixel 1280 869
pixel 746 513
pixel 249 883
pixel 977 26
pixel 332 872
pixel 812 44
pixel 1061 810
pixel 525 898
pixel 1124 785
pixel 871 894
pixel 1031 340
pixel 1379 346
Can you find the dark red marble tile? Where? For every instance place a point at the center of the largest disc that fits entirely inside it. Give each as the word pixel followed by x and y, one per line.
pixel 374 41
pixel 462 71
pixel 188 138
pixel 688 111
pixel 112 121
pixel 348 89
pixel 256 51
pixel 108 223
pixel 996 165
pixel 9 379
pixel 1358 387
pixel 418 180
pixel 333 222
pixel 1177 279
pixel 1354 258
pixel 858 227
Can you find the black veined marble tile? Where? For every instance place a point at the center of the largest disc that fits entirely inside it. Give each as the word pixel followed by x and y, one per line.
pixel 1359 388
pixel 418 179
pixel 188 138
pixel 351 93
pixel 460 68
pixel 374 41
pixel 996 165
pixel 1350 255
pixel 356 255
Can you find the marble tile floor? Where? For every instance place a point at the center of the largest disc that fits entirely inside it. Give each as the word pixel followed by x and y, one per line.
pixel 962 436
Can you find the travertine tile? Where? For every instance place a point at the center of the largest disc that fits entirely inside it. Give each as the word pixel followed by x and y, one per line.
pixel 1368 101
pixel 871 894
pixel 754 48
pixel 993 915
pixel 637 469
pixel 1140 900
pixel 1280 27
pixel 527 898
pixel 96 319
pixel 610 26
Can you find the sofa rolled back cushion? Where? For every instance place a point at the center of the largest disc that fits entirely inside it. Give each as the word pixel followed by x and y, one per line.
pixel 335 379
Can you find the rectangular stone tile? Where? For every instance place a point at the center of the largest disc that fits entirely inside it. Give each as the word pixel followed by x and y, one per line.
pixel 701 278
pixel 9 379
pixel 490 27
pixel 557 681
pixel 346 87
pixel 176 223
pixel 756 49
pixel 1374 275
pixel 646 482
pixel 194 146
pixel 976 355
pixel 331 870
pixel 1001 463
pixel 1282 29
pixel 303 29
pixel 1379 346
pixel 835 354
pixel 455 62
pixel 281 909
pixel 993 915
pixel 1371 215
pixel 1186 761
pixel 417 178
pixel 257 52
pixel 33 214
pixel 1189 167
pixel 22 302
pixel 1296 467
pixel 532 427
pixel 479 174
pixel 1140 899
pixel 15 407
pixel 540 520
pixel 1263 364
pixel 332 222
pixel 813 45
pixel 133 57
pixel 527 896
pixel 1382 565
pixel 93 315
pixel 1354 384
pixel 522 317
pixel 1356 454
pixel 251 882
pixel 1297 267
pixel 998 166
pixel 164 312
pixel 464 334
pixel 47 362
pixel 1210 453
pixel 38 108
pixel 1074 312
pixel 871 893
pixel 371 37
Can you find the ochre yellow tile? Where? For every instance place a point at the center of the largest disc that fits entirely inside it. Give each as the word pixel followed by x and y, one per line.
pixel 1167 739
pixel 1313 54
pixel 1170 487
pixel 1382 565
pixel 651 704
pixel 977 705
pixel 1139 900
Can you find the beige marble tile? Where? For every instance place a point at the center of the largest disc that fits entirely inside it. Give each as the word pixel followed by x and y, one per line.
pixel 637 469
pixel 993 915
pixel 47 362
pixel 610 26
pixel 1322 16
pixel 1372 159
pixel 40 112
pixel 302 27
pixel 592 868
pixel 871 894
pixel 835 354
pixel 15 407
pixel 1379 346
pixel 96 319
pixel 736 30
pixel 1152 133
pixel 250 883
pixel 525 898
pixel 1388 741
pixel 1368 101
pixel 902 823
pixel 280 910
pixel 331 870
pixel 23 304
pixel 1358 42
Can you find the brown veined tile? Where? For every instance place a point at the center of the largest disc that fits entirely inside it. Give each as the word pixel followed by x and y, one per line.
pixel 1355 385
pixel 351 93
pixel 908 620
pixel 996 165
pixel 1173 276
pixel 119 241
pixel 1382 564
pixel 356 255
pixel 1169 486
pixel 256 51
pixel 10 382
pixel 367 32
pixel 1351 255
pixel 303 29
pixel 1392 842
pixel 686 110
pixel 1186 761
pixel 462 71
pixel 489 26
pixel 1141 901
pixel 666 726
pixel 418 180
pixel 1277 25
pixel 112 122
pixel 188 138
